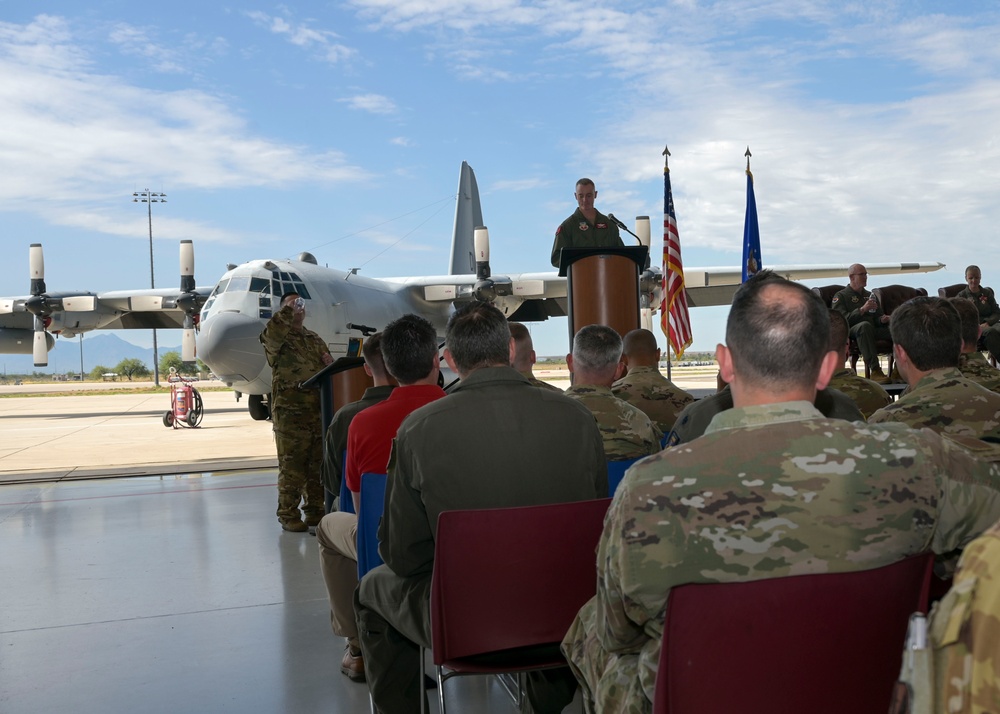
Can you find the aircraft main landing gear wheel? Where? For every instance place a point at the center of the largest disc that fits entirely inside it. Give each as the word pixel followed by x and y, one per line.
pixel 258 408
pixel 168 419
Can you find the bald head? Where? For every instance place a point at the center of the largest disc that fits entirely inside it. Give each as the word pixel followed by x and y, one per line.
pixel 639 349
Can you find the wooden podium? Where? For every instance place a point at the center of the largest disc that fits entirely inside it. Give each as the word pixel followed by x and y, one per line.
pixel 340 383
pixel 602 287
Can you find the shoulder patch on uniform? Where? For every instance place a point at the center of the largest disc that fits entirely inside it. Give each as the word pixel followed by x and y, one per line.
pixel 836 299
pixel 559 230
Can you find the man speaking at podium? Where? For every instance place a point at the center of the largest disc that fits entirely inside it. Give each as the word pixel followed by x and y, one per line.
pixel 587 227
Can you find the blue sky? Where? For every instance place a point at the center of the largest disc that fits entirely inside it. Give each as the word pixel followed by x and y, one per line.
pixel 339 128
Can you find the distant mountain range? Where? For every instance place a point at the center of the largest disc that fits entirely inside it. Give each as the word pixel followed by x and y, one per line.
pixel 105 349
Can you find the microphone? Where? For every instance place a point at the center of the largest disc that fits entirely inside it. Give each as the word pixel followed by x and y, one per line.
pixel 614 219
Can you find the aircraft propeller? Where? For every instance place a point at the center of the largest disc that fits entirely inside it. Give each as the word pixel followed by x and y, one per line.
pixel 188 301
pixel 40 305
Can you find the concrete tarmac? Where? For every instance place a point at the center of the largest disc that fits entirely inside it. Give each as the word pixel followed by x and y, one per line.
pixel 92 436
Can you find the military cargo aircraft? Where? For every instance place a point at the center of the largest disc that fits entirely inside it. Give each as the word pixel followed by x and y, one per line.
pixel 340 305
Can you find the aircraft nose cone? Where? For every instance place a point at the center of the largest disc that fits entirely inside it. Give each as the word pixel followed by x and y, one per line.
pixel 229 344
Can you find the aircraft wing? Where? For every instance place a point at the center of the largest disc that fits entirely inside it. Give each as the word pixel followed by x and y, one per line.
pixel 535 296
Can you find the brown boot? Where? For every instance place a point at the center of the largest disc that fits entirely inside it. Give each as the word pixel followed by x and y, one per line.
pixel 294 525
pixel 353 664
pixel 878 376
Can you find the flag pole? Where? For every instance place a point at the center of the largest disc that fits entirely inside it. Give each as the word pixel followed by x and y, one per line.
pixel 666 170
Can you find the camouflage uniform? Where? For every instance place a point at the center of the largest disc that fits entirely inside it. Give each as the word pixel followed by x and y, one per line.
pixel 865 327
pixel 536 382
pixel 335 441
pixel 868 395
pixel 769 491
pixel 658 398
pixel 974 366
pixel 627 432
pixel 965 632
pixel 577 232
pixel 696 417
pixel 989 312
pixel 946 402
pixel 295 355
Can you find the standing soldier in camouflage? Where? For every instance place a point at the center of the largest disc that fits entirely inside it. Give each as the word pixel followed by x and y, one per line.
pixel 865 318
pixel 986 304
pixel 587 227
pixel 595 363
pixel 335 441
pixel 868 395
pixel 524 355
pixel 971 363
pixel 772 489
pixel 295 354
pixel 644 387
pixel 927 338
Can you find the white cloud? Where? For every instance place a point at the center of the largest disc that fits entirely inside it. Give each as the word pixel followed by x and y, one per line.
pixel 529 184
pixel 324 42
pixel 401 141
pixel 71 131
pixel 373 103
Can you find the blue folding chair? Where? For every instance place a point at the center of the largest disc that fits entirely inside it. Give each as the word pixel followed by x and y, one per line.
pixel 346 501
pixel 372 506
pixel 616 472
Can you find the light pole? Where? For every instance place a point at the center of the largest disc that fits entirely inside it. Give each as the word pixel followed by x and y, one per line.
pixel 149 198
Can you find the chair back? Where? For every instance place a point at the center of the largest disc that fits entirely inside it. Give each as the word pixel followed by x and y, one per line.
pixel 372 506
pixel 808 643
pixel 346 501
pixel 827 292
pixel 950 291
pixel 616 472
pixel 892 296
pixel 511 577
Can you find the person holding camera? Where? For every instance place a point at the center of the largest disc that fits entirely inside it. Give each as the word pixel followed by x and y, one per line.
pixel 295 354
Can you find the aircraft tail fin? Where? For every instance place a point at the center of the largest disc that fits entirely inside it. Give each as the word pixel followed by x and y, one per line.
pixel 468 215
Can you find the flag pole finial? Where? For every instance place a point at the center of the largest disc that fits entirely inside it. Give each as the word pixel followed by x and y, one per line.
pixel 666 158
pixel 748 155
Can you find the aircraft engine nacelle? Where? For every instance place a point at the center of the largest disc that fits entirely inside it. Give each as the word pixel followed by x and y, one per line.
pixel 19 342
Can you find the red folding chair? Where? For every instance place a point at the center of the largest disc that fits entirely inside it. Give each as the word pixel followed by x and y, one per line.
pixel 809 643
pixel 507 584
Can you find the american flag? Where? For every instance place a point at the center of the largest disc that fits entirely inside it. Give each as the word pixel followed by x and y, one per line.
pixel 674 319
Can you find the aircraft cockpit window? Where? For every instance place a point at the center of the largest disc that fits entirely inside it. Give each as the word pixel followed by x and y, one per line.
pixel 220 288
pixel 260 285
pixel 301 290
pixel 285 278
pixel 239 283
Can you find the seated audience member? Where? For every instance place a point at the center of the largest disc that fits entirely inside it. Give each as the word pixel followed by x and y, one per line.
pixel 986 305
pixel 927 338
pixel 409 348
pixel 643 386
pixel 866 319
pixel 524 355
pixel 971 363
pixel 868 395
pixel 964 634
pixel 595 363
pixel 772 489
pixel 335 441
pixel 495 441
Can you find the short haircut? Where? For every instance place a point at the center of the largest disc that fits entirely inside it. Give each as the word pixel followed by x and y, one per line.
pixel 478 336
pixel 930 331
pixel 522 346
pixel 838 331
pixel 371 350
pixel 968 315
pixel 585 182
pixel 597 348
pixel 973 267
pixel 286 295
pixel 640 343
pixel 409 348
pixel 778 332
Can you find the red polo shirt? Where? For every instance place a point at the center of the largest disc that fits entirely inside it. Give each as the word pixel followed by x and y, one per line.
pixel 369 438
